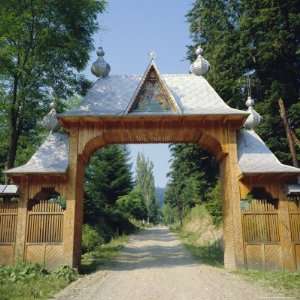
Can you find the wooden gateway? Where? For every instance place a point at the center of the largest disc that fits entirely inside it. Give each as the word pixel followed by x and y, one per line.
pixel 261 231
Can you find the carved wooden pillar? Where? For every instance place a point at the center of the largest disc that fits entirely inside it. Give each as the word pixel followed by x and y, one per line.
pixel 74 205
pixel 233 238
pixel 22 219
pixel 287 247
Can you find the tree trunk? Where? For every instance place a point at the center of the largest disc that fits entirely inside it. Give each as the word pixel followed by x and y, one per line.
pixel 288 132
pixel 12 147
pixel 13 127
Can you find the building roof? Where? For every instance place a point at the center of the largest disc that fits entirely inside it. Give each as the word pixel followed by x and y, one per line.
pixel 8 189
pixel 113 94
pixel 51 157
pixel 256 158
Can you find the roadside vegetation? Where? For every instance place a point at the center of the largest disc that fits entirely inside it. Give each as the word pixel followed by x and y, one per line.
pixel 286 283
pixel 31 281
pixel 201 236
pixel 102 255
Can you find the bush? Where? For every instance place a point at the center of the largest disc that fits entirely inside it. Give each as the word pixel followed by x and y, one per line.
pixel 66 273
pixel 90 238
pixel 32 281
pixel 21 272
pixel 214 204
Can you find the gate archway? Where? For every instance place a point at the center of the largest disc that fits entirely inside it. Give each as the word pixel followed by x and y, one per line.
pixel 156 108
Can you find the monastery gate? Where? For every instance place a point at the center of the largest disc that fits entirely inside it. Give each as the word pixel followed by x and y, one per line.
pixel 44 226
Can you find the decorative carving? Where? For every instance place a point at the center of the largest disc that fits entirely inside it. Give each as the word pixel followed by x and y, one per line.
pixel 152 97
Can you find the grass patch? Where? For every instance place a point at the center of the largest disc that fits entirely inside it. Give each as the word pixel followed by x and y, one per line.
pixel 286 283
pixel 31 281
pixel 211 254
pixel 102 255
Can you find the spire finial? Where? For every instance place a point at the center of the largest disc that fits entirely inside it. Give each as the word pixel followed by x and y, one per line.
pixel 201 65
pixel 152 55
pixel 254 118
pixel 50 120
pixel 100 67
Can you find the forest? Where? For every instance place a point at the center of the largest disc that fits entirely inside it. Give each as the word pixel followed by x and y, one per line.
pixel 44 47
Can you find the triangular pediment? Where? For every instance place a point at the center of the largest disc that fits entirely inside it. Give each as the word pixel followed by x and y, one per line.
pixel 152 95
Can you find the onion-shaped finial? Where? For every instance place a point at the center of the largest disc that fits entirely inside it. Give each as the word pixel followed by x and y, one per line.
pixel 254 117
pixel 201 65
pixel 50 120
pixel 100 67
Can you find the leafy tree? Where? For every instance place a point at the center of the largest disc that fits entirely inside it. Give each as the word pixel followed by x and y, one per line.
pixel 145 184
pixel 133 204
pixel 42 45
pixel 169 214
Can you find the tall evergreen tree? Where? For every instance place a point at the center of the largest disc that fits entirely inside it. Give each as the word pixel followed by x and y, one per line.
pixel 261 35
pixel 193 173
pixel 270 31
pixel 108 177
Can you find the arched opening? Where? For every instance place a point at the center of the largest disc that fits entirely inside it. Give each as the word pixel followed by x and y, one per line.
pixel 96 145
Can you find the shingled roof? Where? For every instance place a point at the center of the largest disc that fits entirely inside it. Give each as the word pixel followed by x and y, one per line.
pixel 256 158
pixel 51 157
pixel 193 94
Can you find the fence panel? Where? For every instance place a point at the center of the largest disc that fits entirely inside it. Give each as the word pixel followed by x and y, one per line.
pixel 8 222
pixel 45 223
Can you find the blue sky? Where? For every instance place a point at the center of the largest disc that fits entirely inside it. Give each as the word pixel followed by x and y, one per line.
pixel 129 31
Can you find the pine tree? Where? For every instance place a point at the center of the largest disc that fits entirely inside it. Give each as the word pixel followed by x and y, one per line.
pixel 271 31
pixel 108 177
pixel 260 35
pixel 193 173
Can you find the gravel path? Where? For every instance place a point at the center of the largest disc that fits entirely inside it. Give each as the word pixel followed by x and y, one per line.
pixel 155 266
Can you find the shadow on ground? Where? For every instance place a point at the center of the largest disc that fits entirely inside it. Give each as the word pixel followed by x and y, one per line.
pixel 155 248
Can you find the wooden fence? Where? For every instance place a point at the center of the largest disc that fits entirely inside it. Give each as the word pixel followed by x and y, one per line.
pixel 260 222
pixel 8 231
pixel 294 212
pixel 45 223
pixel 261 234
pixel 8 222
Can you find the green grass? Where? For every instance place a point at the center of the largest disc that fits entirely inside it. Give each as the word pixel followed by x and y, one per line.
pixel 30 281
pixel 211 254
pixel 102 255
pixel 286 283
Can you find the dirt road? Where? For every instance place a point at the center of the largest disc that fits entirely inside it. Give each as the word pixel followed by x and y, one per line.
pixel 155 266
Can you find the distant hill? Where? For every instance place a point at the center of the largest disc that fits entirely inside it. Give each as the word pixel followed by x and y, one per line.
pixel 160 192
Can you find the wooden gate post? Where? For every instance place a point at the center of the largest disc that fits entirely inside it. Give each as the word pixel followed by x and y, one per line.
pixel 287 247
pixel 22 219
pixel 74 205
pixel 233 238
